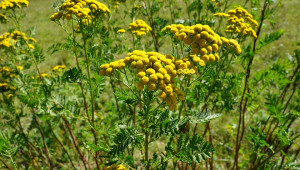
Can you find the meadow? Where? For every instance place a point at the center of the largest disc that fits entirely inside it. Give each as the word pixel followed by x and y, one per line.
pixel 142 84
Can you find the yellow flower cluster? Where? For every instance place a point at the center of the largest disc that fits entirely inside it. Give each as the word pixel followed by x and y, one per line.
pixel 116 3
pixel 139 27
pixel 116 167
pixel 156 71
pixel 10 4
pixel 8 72
pixel 121 31
pixel 10 39
pixel 3 18
pixel 237 20
pixel 232 44
pixel 138 7
pixel 217 2
pixel 203 40
pixel 58 68
pixel 4 87
pixel 5 69
pixel 85 22
pixel 87 9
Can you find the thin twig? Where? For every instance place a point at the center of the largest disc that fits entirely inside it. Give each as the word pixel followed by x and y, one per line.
pixel 84 161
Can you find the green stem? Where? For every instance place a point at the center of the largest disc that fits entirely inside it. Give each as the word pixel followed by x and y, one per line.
pixel 91 90
pixel 17 22
pixel 147 130
pixel 183 102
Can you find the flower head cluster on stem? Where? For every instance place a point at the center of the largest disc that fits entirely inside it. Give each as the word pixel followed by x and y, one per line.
pixel 11 4
pixel 87 9
pixel 139 27
pixel 239 21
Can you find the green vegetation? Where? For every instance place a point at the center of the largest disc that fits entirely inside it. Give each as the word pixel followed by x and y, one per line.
pixel 149 84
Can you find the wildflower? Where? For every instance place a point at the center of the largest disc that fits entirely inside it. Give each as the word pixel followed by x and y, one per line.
pixel 239 21
pixel 84 9
pixel 140 85
pixel 3 18
pixel 58 68
pixel 139 27
pixel 11 4
pixel 116 167
pixel 145 80
pixel 121 31
pixel 151 86
pixel 30 46
pixel 150 71
pixel 11 39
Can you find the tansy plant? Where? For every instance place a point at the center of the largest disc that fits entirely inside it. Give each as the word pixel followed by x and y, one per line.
pixel 148 85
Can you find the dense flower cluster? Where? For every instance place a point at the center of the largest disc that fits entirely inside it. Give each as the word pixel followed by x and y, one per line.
pixel 87 9
pixel 232 44
pixel 203 40
pixel 116 167
pixel 156 71
pixel 139 27
pixel 58 68
pixel 3 18
pixel 239 21
pixel 10 39
pixel 10 4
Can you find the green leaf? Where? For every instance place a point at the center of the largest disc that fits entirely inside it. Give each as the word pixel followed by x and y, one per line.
pixel 72 75
pixel 204 117
pixel 269 38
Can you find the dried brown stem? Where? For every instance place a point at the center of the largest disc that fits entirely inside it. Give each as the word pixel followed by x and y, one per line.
pixel 44 144
pixel 5 164
pixel 60 143
pixel 84 161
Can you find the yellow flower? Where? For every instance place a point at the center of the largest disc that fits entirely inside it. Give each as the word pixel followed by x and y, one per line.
pixel 211 57
pixel 121 31
pixel 139 27
pixel 58 67
pixel 9 95
pixel 145 80
pixel 116 167
pixel 153 78
pixel 141 74
pixel 19 67
pixel 205 58
pixel 151 86
pixel 202 63
pixel 167 78
pixel 87 9
pixel 10 4
pixel 140 85
pixel 150 71
pixel 109 71
pixel 3 18
pixel 168 89
pixel 186 71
